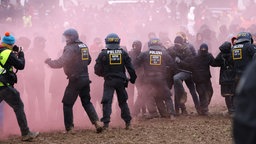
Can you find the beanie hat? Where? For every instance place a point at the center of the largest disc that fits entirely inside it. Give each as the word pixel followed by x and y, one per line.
pixel 8 39
pixel 178 40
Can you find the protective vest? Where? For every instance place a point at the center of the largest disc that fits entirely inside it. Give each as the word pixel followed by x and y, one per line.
pixel 155 61
pixel 114 63
pixel 241 56
pixel 78 59
pixel 4 55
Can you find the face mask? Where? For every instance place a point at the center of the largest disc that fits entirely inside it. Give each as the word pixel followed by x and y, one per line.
pixel 202 52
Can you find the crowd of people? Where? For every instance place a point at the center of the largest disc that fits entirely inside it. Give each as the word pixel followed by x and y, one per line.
pixel 161 64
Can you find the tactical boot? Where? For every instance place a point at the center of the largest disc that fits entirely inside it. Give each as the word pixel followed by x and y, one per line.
pixel 177 111
pixel 184 110
pixel 128 126
pixel 205 113
pixel 99 129
pixel 198 110
pixel 71 131
pixel 105 127
pixel 30 136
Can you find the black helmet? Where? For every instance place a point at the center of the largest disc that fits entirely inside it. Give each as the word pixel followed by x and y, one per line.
pixel 72 35
pixel 154 42
pixel 244 37
pixel 112 39
pixel 137 45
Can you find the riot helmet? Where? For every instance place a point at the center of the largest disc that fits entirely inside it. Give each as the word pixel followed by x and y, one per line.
pixel 244 37
pixel 112 41
pixel 154 42
pixel 71 35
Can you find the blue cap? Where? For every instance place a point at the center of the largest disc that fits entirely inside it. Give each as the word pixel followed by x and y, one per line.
pixel 8 39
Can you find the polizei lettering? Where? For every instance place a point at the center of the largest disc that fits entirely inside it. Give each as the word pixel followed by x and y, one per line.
pixel 239 46
pixel 82 45
pixel 155 52
pixel 114 51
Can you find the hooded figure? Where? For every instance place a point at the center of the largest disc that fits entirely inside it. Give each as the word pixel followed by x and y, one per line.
pixel 203 50
pixel 227 74
pixel 200 68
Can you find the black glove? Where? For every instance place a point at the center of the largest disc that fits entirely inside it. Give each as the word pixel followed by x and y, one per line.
pixel 47 60
pixel 20 54
pixel 15 48
pixel 132 80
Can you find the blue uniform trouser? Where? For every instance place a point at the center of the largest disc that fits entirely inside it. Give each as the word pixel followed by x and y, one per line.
pixel 118 85
pixel 12 97
pixel 81 87
pixel 158 95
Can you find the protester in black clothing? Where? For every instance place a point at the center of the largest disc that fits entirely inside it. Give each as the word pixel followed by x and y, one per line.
pixel 200 68
pixel 181 50
pixel 227 75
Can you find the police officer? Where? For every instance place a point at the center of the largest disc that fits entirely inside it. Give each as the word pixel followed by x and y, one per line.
pixel 75 60
pixel 111 64
pixel 155 63
pixel 181 51
pixel 13 57
pixel 244 122
pixel 242 53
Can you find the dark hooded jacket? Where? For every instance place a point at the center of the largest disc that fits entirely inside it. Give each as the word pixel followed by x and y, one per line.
pixel 199 66
pixel 225 62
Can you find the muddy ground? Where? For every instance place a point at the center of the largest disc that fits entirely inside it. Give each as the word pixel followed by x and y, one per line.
pixel 191 129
